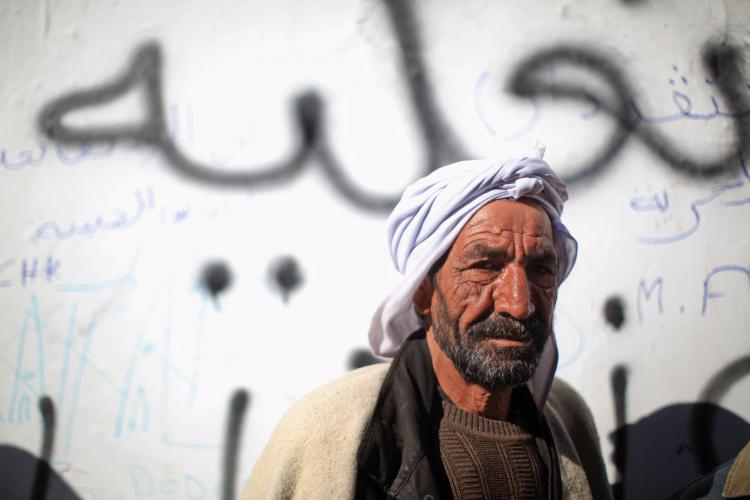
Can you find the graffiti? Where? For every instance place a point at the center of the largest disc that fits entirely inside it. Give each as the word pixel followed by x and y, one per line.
pixel 25 158
pixel 312 149
pixel 30 270
pixel 630 453
pixel 144 483
pixel 442 145
pixel 619 382
pixel 645 292
pixel 30 374
pixel 285 276
pixel 147 484
pixel 65 155
pixel 660 203
pixel 120 219
pixel 47 410
pixel 703 418
pixel 654 292
pixel 708 294
pixel 31 368
pixel 721 61
pixel 682 102
pixel 614 312
pixel 647 203
pixel 215 278
pixel 145 71
pixel 568 328
pixel 237 407
pixel 41 477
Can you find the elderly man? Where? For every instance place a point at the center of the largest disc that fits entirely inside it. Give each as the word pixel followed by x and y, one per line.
pixel 468 408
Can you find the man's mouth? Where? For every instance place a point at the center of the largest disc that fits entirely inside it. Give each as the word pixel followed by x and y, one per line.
pixel 500 328
pixel 506 342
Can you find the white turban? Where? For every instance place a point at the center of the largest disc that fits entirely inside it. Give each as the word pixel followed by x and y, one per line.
pixel 429 216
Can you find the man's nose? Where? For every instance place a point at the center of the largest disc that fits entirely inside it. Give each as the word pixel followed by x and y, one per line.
pixel 512 294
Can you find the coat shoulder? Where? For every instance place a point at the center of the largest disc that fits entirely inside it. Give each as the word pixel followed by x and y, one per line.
pixel 312 451
pixel 354 391
pixel 567 401
pixel 575 420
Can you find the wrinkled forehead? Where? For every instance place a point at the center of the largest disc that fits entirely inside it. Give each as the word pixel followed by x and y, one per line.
pixel 525 215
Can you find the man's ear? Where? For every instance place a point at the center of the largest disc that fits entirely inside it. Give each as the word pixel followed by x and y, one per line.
pixel 422 298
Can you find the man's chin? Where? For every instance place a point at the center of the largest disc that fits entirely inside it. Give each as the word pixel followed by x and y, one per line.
pixel 496 366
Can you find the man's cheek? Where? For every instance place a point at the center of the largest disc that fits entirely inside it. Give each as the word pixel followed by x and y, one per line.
pixel 545 305
pixel 476 306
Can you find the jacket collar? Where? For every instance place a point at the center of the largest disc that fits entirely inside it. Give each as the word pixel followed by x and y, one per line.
pixel 398 451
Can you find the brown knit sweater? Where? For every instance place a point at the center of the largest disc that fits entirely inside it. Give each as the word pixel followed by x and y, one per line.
pixel 489 459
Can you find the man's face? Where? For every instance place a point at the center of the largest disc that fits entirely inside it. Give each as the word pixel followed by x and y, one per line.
pixel 493 298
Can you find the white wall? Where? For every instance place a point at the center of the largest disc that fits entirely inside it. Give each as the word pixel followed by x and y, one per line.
pixel 140 362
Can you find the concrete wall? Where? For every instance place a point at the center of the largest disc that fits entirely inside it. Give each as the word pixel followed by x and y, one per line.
pixel 194 198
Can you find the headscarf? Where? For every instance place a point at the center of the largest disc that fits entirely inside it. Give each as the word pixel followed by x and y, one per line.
pixel 429 216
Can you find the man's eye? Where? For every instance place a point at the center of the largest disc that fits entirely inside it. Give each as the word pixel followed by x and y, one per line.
pixel 487 265
pixel 482 271
pixel 544 275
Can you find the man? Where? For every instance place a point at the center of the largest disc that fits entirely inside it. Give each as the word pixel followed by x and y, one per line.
pixel 467 408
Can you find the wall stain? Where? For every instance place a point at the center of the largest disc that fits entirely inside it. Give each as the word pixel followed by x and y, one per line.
pixel 614 312
pixel 216 278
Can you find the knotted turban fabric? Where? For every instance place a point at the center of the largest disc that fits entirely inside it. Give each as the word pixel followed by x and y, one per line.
pixel 429 216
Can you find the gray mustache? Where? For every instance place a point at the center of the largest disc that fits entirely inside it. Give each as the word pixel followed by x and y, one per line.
pixel 504 327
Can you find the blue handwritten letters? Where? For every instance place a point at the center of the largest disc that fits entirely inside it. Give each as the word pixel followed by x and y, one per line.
pixel 148 484
pixel 645 292
pixel 25 158
pixel 67 367
pixel 708 291
pixel 28 271
pixel 142 203
pixel 179 125
pixel 119 220
pixel 67 155
pixel 647 203
pixel 650 292
pixel 660 203
pixel 683 104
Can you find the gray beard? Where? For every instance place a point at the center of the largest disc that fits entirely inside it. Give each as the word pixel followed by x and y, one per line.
pixel 482 362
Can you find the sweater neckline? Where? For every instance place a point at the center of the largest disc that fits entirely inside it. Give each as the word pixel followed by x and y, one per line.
pixel 471 422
